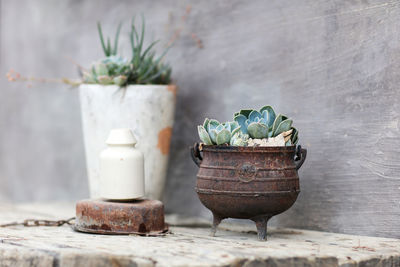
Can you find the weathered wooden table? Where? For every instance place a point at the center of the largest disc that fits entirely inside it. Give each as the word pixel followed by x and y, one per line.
pixel 190 245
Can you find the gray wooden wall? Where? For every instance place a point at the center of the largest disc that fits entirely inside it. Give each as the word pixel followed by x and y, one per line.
pixel 331 65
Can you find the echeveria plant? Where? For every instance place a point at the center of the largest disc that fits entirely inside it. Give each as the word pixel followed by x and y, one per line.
pixel 110 70
pixel 212 132
pixel 250 127
pixel 264 123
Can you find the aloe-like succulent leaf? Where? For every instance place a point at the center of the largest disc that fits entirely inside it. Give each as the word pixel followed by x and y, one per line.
pixel 139 48
pixel 283 127
pixel 148 49
pixel 241 120
pixel 115 50
pixel 156 64
pixel 109 46
pixel 161 70
pixel 257 130
pixel 204 136
pixel 223 137
pixel 106 52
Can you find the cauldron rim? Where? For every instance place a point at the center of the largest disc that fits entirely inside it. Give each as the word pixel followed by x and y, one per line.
pixel 228 148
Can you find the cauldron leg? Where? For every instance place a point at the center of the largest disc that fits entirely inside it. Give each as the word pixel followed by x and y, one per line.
pixel 261 224
pixel 216 221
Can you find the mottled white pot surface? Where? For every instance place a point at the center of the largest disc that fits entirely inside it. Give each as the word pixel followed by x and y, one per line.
pixel 148 110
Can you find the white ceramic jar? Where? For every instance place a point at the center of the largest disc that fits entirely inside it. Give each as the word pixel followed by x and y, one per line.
pixel 121 167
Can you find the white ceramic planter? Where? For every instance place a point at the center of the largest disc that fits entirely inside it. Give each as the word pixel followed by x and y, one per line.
pixel 148 110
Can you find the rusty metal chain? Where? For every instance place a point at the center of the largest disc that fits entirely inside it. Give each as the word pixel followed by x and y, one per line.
pixel 33 222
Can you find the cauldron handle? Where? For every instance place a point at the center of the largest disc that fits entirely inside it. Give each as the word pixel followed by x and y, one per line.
pixel 195 153
pixel 301 155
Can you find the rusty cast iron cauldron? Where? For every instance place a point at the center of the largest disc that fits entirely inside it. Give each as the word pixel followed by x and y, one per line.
pixel 253 183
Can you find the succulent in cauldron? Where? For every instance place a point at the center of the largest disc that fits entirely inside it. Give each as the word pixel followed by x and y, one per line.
pixel 250 128
pixel 241 175
pixel 265 124
pixel 212 132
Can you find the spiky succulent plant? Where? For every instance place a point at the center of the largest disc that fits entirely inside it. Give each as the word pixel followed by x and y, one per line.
pixel 143 68
pixel 212 132
pixel 146 67
pixel 265 124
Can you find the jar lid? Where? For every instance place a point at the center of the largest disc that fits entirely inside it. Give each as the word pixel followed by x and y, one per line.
pixel 123 136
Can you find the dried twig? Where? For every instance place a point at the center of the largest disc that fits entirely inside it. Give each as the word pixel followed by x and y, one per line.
pixel 14 76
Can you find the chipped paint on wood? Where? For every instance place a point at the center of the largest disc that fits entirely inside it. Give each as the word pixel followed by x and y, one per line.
pixel 164 139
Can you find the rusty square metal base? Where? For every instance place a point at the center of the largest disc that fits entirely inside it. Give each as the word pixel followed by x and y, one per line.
pixel 142 217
